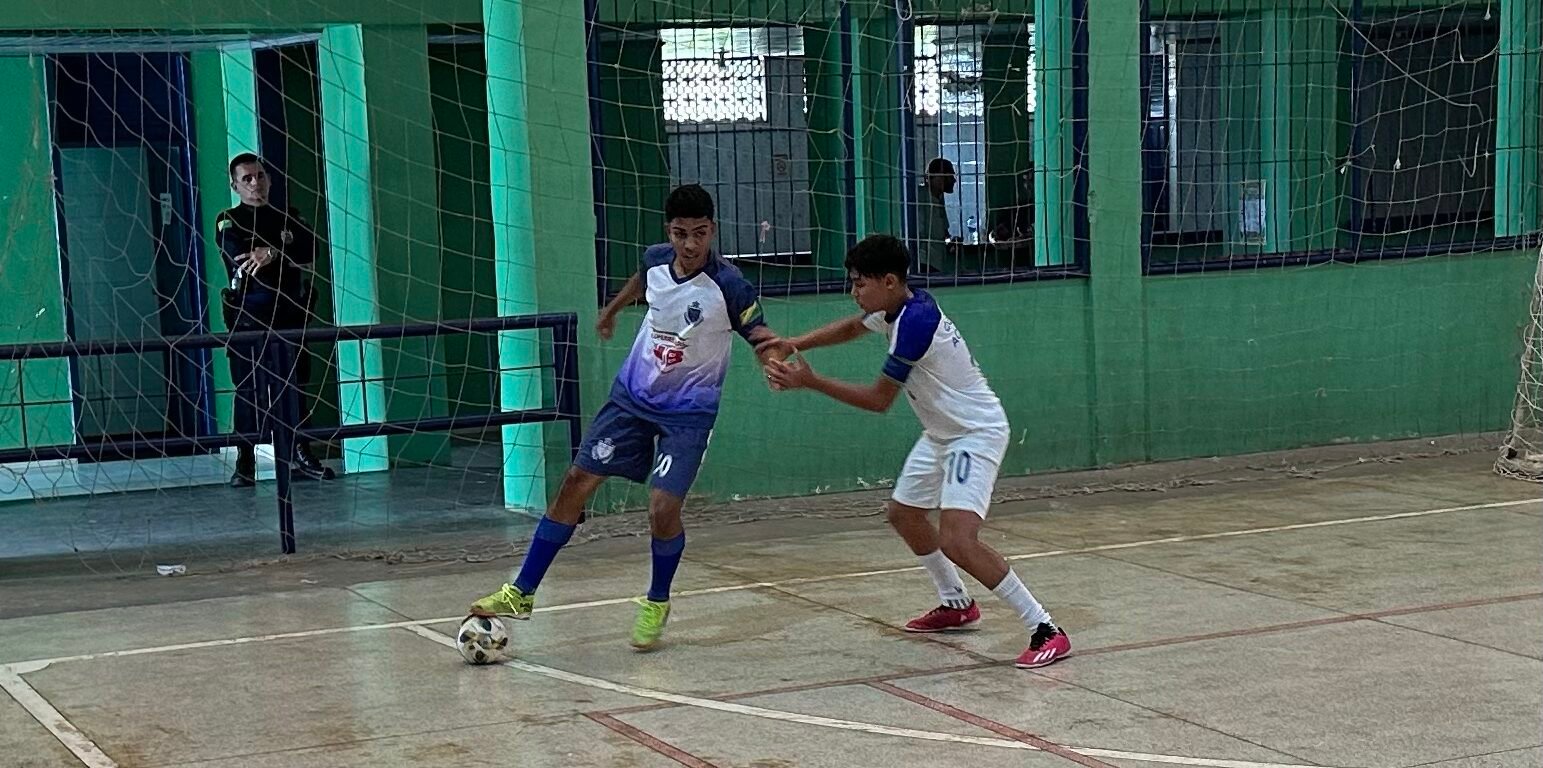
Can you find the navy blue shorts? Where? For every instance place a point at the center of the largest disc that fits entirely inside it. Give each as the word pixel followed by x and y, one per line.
pixel 622 444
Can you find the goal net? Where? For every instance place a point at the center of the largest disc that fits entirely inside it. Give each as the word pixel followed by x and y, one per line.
pixel 446 196
pixel 419 170
pixel 1521 455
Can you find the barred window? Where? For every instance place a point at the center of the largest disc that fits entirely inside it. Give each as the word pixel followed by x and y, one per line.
pixel 715 90
pixel 948 70
pixel 719 74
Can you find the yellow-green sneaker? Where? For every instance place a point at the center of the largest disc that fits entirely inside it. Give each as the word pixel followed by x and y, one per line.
pixel 507 601
pixel 650 623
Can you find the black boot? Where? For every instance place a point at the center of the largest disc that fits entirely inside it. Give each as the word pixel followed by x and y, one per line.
pixel 307 465
pixel 246 468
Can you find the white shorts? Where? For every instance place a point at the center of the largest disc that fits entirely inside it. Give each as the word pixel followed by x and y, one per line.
pixel 952 474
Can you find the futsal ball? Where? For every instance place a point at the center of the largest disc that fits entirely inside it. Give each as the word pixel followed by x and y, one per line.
pixel 481 639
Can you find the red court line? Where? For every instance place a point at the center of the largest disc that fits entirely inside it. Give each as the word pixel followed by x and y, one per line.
pixel 1159 643
pixel 642 737
pixel 1327 621
pixel 999 729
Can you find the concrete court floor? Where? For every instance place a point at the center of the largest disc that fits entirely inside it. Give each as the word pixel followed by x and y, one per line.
pixel 1387 616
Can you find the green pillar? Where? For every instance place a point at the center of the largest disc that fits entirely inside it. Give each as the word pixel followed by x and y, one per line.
pixel 35 400
pixel 224 95
pixel 1298 104
pixel 877 106
pixel 384 222
pixel 634 150
pixel 1053 33
pixel 1518 125
pixel 1117 306
pixel 1009 127
pixel 827 142
pixel 543 214
pixel 240 76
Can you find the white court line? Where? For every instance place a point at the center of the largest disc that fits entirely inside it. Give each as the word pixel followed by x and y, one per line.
pixel 839 724
pixel 27 667
pixel 71 737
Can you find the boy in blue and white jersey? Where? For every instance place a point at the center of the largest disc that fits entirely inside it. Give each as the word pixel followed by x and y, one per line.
pixel 662 407
pixel 954 465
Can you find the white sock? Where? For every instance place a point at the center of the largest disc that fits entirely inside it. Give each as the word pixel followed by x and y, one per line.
pixel 1014 593
pixel 951 591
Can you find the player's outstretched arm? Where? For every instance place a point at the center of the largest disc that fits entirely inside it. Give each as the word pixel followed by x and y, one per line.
pixel 838 332
pixel 876 397
pixel 605 325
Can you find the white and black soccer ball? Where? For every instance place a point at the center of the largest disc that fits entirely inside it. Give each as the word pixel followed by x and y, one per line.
pixel 482 639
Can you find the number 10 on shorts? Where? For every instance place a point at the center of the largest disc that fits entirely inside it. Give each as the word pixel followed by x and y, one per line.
pixel 956 468
pixel 662 465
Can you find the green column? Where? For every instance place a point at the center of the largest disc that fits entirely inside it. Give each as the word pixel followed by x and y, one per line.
pixel 1116 311
pixel 384 222
pixel 1298 104
pixel 877 106
pixel 35 401
pixel 1518 125
pixel 543 214
pixel 1053 32
pixel 827 142
pixel 634 150
pixel 1009 128
pixel 224 95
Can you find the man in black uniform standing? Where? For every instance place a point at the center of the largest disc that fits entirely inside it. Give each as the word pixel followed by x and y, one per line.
pixel 268 253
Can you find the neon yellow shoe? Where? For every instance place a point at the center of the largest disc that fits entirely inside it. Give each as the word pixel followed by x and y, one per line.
pixel 650 623
pixel 507 601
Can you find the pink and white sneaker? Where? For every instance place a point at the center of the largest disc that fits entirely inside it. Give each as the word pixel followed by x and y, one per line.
pixel 1048 646
pixel 946 619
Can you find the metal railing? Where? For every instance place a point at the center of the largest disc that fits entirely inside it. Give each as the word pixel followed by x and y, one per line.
pixel 285 416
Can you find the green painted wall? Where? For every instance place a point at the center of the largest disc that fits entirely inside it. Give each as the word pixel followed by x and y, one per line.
pixel 384 219
pixel 253 15
pixel 216 141
pixel 689 12
pixel 305 171
pixel 458 86
pixel 1213 8
pixel 634 150
pixel 35 404
pixel 1229 363
pixel 1256 361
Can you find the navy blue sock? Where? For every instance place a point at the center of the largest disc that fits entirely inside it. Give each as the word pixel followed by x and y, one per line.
pixel 666 560
pixel 550 537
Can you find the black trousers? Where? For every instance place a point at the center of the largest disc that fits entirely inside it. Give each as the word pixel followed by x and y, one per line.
pixel 267 373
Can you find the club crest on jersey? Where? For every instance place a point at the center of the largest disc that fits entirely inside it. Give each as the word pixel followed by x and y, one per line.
pixel 604 450
pixel 287 237
pixel 694 313
pixel 669 351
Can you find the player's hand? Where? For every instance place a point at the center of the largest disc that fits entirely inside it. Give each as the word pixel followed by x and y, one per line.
pixel 605 325
pixel 790 375
pixel 775 348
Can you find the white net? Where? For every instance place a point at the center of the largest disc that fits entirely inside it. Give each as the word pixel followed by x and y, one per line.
pixel 1323 132
pixel 463 163
pixel 1521 455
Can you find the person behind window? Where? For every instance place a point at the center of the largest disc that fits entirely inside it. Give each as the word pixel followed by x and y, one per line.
pixel 936 243
pixel 268 253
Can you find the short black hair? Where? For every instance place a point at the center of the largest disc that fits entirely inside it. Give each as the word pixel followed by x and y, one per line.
pixel 940 165
pixel 880 255
pixel 688 202
pixel 242 159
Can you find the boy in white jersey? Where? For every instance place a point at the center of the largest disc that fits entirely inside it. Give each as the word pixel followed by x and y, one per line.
pixel 955 462
pixel 662 407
